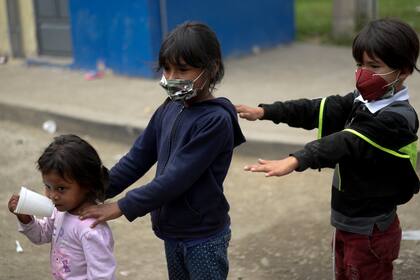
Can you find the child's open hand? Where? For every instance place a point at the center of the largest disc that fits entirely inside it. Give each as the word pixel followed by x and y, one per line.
pixel 249 113
pixel 101 212
pixel 274 167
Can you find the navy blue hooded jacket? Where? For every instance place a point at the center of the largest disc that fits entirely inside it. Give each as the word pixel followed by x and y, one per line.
pixel 193 149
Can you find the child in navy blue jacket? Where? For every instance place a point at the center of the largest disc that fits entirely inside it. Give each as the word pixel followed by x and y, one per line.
pixel 191 136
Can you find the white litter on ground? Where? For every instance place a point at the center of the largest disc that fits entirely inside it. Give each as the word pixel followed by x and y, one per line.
pixel 19 248
pixel 49 126
pixel 411 235
pixel 124 273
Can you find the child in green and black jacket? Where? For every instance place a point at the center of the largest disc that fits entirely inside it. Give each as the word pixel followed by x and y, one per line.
pixel 369 136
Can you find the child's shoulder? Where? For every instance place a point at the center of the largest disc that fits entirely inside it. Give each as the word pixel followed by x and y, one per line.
pixel 215 110
pixel 83 227
pixel 401 108
pixel 220 105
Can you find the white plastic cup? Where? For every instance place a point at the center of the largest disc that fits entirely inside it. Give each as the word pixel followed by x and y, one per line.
pixel 32 203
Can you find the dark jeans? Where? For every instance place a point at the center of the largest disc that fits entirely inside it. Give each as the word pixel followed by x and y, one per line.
pixel 359 257
pixel 198 261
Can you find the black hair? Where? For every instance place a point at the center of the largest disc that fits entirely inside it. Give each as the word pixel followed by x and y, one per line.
pixel 391 40
pixel 72 158
pixel 195 44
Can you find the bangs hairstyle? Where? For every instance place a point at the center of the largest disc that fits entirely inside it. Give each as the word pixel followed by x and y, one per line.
pixel 72 158
pixel 391 40
pixel 194 44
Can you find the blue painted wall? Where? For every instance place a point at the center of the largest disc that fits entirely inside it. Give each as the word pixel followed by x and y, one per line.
pixel 240 25
pixel 126 34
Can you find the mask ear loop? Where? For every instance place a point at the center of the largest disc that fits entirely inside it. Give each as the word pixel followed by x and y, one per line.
pixel 384 74
pixel 204 83
pixel 198 77
pixel 391 85
pixel 396 79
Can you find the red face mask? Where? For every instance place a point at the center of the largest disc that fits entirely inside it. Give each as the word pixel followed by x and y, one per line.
pixel 371 85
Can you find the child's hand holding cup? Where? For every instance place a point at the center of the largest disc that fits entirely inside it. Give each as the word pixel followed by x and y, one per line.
pixel 29 203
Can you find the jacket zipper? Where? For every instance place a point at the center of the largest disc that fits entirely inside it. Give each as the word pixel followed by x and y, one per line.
pixel 171 138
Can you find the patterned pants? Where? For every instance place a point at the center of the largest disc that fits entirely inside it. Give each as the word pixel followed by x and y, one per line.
pixel 202 261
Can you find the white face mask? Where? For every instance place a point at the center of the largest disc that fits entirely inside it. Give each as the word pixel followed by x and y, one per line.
pixel 179 89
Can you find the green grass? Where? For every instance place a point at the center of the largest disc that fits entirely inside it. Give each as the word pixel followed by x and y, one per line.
pixel 403 9
pixel 314 17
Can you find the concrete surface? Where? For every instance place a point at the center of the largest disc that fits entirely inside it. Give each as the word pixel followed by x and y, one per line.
pixel 280 226
pixel 119 107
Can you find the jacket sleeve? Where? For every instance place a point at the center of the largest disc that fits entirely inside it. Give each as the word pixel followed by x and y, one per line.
pixel 331 149
pixel 140 158
pixel 39 231
pixel 210 138
pixel 302 113
pixel 384 130
pixel 330 112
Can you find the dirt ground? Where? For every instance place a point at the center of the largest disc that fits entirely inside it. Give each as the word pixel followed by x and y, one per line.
pixel 280 226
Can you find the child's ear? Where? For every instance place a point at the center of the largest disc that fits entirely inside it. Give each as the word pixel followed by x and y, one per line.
pixel 405 72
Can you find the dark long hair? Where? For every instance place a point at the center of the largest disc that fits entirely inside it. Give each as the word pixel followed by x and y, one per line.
pixel 195 44
pixel 72 158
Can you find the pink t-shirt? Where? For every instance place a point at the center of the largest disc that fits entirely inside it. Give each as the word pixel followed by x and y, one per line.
pixel 77 251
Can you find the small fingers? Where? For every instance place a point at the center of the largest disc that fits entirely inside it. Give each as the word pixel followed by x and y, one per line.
pixel 88 214
pixel 256 168
pixel 12 204
pixel 263 161
pixel 271 174
pixel 95 223
pixel 250 167
pixel 248 116
pixel 12 208
pixel 239 108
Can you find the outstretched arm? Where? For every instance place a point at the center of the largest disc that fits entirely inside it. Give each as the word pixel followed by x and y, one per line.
pixel 12 204
pixel 324 152
pixel 140 158
pixel 274 167
pixel 198 154
pixel 301 113
pixel 39 231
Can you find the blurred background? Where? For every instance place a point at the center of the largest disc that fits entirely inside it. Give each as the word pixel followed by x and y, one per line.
pixel 125 35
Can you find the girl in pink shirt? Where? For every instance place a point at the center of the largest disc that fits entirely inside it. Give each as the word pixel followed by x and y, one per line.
pixel 74 178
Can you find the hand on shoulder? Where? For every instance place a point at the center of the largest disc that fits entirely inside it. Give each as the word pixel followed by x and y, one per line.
pixel 249 113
